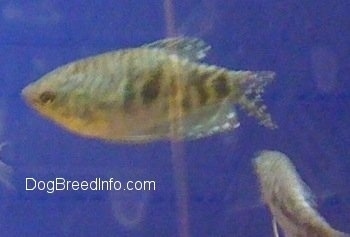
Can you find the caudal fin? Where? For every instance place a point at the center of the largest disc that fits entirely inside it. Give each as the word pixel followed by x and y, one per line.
pixel 251 101
pixel 343 235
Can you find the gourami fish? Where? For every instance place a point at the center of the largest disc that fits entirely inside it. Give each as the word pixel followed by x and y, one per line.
pixel 134 95
pixel 289 198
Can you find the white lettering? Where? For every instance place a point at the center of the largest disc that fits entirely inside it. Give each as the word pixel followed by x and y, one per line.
pixel 50 186
pixel 41 185
pixel 75 185
pixel 33 187
pixel 127 185
pixel 98 184
pixel 84 185
pixel 117 185
pixel 138 185
pixel 60 184
pixel 93 188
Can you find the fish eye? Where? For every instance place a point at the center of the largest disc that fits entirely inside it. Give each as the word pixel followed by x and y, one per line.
pixel 47 97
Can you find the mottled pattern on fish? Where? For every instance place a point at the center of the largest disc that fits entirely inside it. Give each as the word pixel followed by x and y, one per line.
pixel 130 95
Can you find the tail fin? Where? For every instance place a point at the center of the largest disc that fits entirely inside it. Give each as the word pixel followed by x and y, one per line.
pixel 341 234
pixel 251 100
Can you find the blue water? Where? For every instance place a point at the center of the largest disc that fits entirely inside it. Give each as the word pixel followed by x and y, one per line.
pixel 306 43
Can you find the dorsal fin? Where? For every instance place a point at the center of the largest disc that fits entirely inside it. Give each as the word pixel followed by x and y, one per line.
pixel 191 48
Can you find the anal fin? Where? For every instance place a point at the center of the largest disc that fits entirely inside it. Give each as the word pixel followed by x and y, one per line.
pixel 203 122
pixel 210 120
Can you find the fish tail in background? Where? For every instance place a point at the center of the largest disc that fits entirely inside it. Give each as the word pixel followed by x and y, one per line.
pixel 289 199
pixel 252 87
pixel 275 228
pixel 6 172
pixel 342 234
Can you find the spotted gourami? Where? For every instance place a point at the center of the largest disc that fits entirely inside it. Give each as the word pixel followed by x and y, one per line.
pixel 135 95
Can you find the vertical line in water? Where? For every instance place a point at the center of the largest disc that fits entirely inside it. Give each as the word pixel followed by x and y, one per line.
pixel 169 18
pixel 180 178
pixel 177 147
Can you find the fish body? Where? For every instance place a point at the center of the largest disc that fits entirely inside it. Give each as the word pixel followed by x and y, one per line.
pixel 136 94
pixel 289 199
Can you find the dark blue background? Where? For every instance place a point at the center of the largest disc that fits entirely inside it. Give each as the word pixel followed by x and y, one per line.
pixel 307 43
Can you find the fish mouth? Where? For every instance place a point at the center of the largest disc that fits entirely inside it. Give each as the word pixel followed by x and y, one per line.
pixel 28 94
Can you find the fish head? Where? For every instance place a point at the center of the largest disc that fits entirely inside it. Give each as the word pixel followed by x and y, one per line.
pixel 59 96
pixel 42 95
